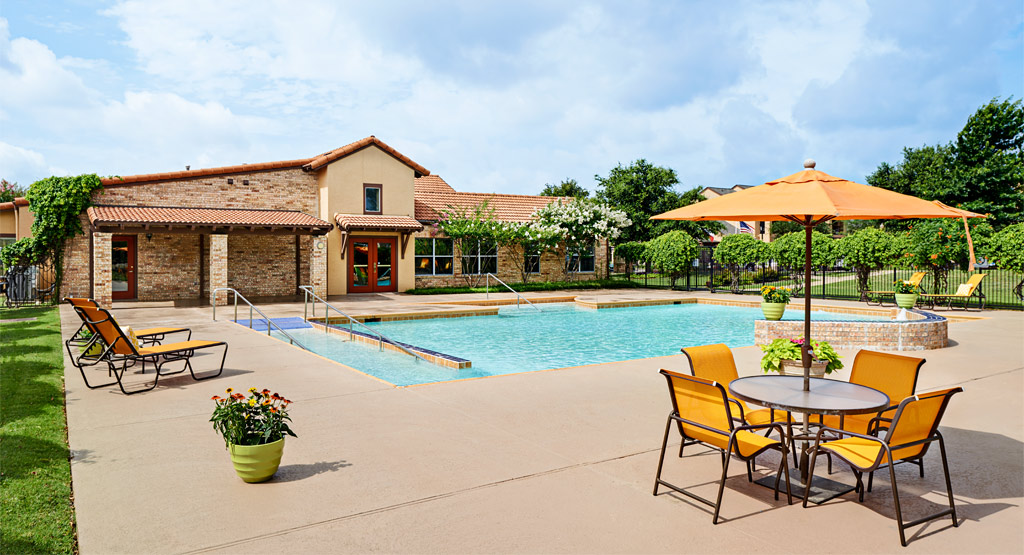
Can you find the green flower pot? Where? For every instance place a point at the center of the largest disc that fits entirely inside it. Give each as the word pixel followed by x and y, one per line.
pixel 773 311
pixel 906 300
pixel 256 463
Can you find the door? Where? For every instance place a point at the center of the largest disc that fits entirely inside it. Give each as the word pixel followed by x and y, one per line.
pixel 122 266
pixel 372 265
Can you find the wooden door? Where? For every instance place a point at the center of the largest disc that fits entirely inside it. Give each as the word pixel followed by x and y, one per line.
pixel 372 265
pixel 123 255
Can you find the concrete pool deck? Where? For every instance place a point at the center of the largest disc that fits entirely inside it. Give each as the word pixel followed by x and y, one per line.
pixel 556 461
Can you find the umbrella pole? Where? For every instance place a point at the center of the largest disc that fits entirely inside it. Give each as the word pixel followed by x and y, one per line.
pixel 805 351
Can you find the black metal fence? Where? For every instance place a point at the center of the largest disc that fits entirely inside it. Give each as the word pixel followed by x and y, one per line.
pixel 24 285
pixel 1002 288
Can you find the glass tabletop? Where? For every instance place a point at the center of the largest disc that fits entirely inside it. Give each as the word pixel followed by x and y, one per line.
pixel 825 396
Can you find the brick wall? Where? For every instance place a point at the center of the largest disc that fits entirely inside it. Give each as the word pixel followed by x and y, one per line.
pixel 217 255
pixel 263 265
pixel 551 268
pixel 101 261
pixel 289 189
pixel 76 265
pixel 913 335
pixel 168 267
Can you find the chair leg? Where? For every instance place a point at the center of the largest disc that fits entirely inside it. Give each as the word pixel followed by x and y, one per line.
pixel 871 477
pixel 721 484
pixel 945 471
pixel 896 502
pixel 661 459
pixel 920 464
pixel 810 476
pixel 829 457
pixel 750 475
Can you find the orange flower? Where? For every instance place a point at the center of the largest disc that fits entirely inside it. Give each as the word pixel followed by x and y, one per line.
pixel 215 398
pixel 934 256
pixel 273 410
pixel 265 392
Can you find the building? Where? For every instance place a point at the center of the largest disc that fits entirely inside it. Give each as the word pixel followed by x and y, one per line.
pixel 357 219
pixel 15 220
pixel 760 230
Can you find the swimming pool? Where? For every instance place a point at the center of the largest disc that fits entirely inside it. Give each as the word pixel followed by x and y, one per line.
pixel 524 339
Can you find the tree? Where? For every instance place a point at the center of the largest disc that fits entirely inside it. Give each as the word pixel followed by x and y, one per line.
pixel 9 191
pixel 469 230
pixel 632 252
pixel 939 245
pixel 579 223
pixel 865 251
pixel 788 251
pixel 1006 250
pixel 738 250
pixel 567 188
pixel 520 241
pixel 673 254
pixel 642 190
pixel 982 171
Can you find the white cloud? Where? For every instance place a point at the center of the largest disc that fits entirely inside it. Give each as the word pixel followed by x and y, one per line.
pixel 17 163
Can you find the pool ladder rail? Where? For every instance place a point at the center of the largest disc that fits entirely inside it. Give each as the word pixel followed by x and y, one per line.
pixel 381 338
pixel 487 291
pixel 252 308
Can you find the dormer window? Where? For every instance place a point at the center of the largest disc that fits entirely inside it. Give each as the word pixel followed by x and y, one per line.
pixel 371 198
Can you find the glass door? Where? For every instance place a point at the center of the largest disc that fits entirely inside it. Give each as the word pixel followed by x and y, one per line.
pixel 122 266
pixel 372 265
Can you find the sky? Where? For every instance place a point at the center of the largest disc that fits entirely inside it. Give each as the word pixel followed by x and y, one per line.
pixel 498 96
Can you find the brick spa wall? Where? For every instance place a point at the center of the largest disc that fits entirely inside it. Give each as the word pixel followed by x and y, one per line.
pixel 924 331
pixel 550 268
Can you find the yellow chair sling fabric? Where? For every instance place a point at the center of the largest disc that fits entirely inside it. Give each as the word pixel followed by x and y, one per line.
pixel 716 363
pixel 914 427
pixel 701 412
pixel 965 291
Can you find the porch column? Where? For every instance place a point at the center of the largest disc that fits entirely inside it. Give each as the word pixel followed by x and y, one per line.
pixel 101 289
pixel 218 269
pixel 318 265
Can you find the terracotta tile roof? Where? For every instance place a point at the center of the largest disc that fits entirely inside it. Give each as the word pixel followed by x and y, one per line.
pixel 373 222
pixel 18 201
pixel 175 216
pixel 432 197
pixel 308 164
pixel 432 184
pixel 328 157
pixel 192 174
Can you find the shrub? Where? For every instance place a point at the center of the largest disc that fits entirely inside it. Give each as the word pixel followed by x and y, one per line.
pixel 673 254
pixel 865 251
pixel 738 250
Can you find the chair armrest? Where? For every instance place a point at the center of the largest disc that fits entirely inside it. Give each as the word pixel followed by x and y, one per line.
pixel 749 427
pixel 739 406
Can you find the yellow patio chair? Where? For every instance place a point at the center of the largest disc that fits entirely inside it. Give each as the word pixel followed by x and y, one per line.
pixel 914 427
pixel 121 350
pixel 965 291
pixel 894 375
pixel 700 409
pixel 915 279
pixel 715 362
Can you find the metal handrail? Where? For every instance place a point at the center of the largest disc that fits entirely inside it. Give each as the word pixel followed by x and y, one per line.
pixel 252 307
pixel 487 291
pixel 381 338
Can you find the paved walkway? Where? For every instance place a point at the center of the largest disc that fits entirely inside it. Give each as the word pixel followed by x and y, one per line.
pixel 559 461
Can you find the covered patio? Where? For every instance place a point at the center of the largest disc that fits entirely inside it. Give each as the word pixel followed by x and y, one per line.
pixel 167 253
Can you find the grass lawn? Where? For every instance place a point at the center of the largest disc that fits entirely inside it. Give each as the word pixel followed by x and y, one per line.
pixel 35 473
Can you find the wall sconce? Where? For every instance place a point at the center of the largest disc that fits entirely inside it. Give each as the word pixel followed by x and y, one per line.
pixel 149 236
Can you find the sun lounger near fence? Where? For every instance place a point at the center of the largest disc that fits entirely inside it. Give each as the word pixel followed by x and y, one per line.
pixel 965 291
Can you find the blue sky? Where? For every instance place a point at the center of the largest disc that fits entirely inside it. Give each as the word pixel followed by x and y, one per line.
pixel 493 96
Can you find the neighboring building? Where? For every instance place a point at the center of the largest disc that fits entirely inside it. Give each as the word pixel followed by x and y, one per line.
pixel 760 230
pixel 15 220
pixel 357 219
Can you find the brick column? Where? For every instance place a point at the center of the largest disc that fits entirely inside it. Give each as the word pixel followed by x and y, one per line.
pixel 218 268
pixel 318 265
pixel 101 290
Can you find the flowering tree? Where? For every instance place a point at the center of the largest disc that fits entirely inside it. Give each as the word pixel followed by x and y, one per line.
pixel 469 229
pixel 520 241
pixel 578 224
pixel 939 245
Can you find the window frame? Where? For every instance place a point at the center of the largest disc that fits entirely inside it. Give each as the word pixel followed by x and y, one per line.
pixel 380 197
pixel 569 256
pixel 433 256
pixel 526 260
pixel 478 259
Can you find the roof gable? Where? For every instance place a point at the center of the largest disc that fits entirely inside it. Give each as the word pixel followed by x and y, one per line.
pixel 318 162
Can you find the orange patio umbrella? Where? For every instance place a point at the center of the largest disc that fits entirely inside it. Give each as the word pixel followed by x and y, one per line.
pixel 809 198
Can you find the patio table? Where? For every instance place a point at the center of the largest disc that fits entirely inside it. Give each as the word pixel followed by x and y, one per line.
pixel 825 397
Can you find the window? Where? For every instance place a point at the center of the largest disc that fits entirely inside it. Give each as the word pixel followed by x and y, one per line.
pixel 434 257
pixel 371 199
pixel 531 262
pixel 582 261
pixel 482 258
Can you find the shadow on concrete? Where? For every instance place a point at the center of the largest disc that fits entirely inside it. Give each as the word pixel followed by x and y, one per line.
pixel 294 472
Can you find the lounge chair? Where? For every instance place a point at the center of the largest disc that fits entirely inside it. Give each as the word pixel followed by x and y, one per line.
pixel 700 409
pixel 121 353
pixel 894 375
pixel 914 427
pixel 146 336
pixel 915 279
pixel 965 291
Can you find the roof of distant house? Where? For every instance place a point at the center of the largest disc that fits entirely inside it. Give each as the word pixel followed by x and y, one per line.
pixel 18 201
pixel 727 190
pixel 309 164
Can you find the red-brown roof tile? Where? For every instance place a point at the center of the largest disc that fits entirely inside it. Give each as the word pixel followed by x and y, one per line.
pixel 160 215
pixel 18 201
pixel 371 222
pixel 328 157
pixel 432 198
pixel 432 184
pixel 192 174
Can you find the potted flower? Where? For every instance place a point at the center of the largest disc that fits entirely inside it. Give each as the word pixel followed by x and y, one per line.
pixel 783 356
pixel 253 429
pixel 774 301
pixel 906 293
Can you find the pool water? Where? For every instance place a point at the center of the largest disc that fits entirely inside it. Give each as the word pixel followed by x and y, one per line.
pixel 524 339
